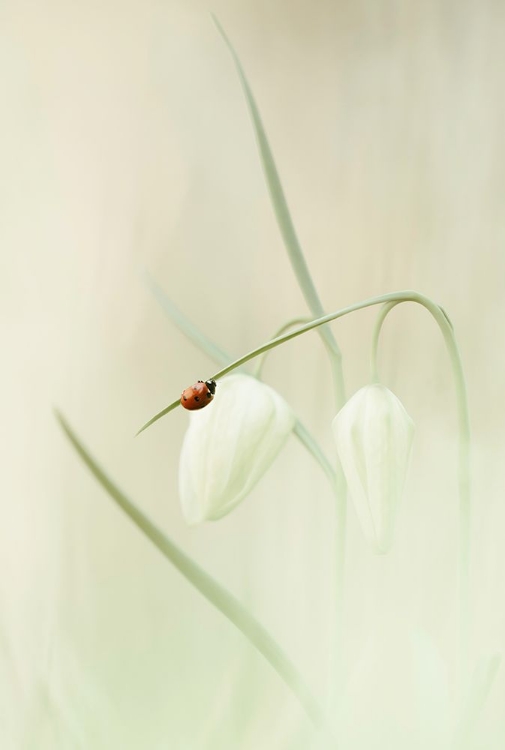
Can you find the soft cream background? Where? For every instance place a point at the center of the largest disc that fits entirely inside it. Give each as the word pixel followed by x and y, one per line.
pixel 126 144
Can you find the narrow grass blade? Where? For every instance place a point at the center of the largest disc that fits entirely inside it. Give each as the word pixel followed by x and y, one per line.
pixel 192 332
pixel 279 202
pixel 213 591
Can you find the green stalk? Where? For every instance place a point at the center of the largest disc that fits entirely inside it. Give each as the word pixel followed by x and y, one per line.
pixel 290 324
pixel 381 316
pixel 403 296
pixel 464 483
pixel 216 594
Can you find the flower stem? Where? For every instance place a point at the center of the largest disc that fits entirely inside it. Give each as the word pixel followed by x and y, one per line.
pixel 403 296
pixel 383 312
pixel 464 480
pixel 290 324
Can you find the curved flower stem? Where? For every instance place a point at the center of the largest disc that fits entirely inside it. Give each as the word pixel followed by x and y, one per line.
pixel 402 296
pixel 464 484
pixel 383 313
pixel 290 324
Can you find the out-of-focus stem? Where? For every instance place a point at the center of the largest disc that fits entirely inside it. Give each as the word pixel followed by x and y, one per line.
pixel 464 479
pixel 381 316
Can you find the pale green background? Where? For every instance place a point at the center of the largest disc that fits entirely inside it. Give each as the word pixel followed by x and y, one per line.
pixel 126 144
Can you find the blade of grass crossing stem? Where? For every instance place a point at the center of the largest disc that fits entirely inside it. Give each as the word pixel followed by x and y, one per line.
pixel 213 591
pixel 192 332
pixel 279 202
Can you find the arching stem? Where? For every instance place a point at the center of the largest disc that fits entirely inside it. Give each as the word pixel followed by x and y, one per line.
pixel 290 324
pixel 464 479
pixel 403 296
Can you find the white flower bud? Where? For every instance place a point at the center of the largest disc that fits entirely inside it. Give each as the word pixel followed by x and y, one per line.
pixel 374 433
pixel 229 446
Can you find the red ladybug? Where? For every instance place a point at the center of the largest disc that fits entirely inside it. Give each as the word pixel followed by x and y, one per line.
pixel 198 395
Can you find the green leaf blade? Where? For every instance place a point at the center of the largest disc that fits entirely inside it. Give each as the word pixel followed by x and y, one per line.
pixel 213 591
pixel 185 325
pixel 279 202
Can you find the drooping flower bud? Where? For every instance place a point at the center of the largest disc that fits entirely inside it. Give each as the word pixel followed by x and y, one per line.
pixel 230 445
pixel 374 433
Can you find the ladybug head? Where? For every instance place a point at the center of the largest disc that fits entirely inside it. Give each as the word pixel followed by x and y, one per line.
pixel 211 385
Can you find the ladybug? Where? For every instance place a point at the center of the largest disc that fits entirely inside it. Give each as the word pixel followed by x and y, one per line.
pixel 198 395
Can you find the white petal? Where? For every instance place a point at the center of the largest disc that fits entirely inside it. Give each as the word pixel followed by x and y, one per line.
pixel 230 445
pixel 373 434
